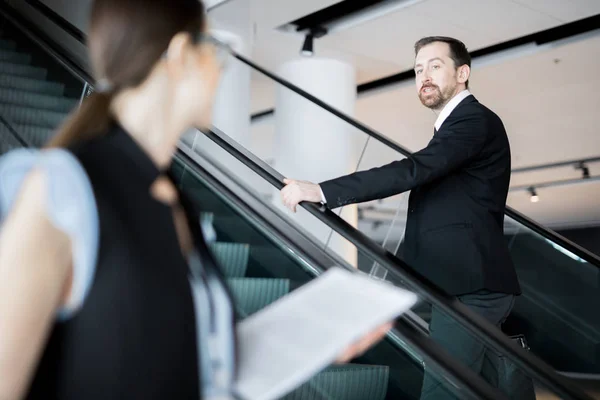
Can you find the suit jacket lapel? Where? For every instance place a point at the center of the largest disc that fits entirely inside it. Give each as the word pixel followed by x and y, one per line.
pixel 466 100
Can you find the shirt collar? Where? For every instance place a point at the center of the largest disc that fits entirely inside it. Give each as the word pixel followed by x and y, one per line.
pixel 447 110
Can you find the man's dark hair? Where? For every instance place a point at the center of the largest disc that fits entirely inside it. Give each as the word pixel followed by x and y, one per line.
pixel 458 51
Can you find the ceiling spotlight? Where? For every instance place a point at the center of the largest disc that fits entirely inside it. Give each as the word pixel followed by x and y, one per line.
pixel 311 35
pixel 534 196
pixel 307 47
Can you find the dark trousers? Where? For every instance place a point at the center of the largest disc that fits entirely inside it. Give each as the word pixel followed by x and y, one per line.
pixel 465 348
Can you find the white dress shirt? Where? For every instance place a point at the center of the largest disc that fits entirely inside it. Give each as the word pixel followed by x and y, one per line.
pixel 446 111
pixel 448 108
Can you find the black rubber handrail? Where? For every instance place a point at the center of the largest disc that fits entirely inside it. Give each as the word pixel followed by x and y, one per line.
pixel 530 224
pixel 488 334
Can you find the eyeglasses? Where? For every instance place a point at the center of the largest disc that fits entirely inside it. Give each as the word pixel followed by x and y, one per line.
pixel 222 50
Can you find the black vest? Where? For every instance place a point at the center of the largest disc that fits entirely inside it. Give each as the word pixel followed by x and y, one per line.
pixel 135 336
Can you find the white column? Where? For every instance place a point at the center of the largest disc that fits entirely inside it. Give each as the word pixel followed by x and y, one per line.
pixel 232 104
pixel 312 144
pixel 231 113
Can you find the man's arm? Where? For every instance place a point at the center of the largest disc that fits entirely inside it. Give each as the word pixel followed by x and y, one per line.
pixel 452 148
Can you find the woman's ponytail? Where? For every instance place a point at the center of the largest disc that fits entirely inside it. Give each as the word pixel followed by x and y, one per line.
pixel 91 120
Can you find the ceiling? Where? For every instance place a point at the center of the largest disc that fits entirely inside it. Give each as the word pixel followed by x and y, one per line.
pixel 546 95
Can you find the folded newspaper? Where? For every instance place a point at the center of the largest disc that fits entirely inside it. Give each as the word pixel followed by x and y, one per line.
pixel 286 343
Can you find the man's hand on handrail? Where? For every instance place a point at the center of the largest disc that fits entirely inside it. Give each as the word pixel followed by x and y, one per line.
pixel 297 191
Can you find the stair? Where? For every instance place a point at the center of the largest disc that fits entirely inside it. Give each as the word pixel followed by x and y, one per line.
pixel 9 68
pixel 7 44
pixel 253 294
pixel 15 57
pixel 348 382
pixel 340 382
pixel 33 105
pixel 38 86
pixel 233 258
pixel 36 100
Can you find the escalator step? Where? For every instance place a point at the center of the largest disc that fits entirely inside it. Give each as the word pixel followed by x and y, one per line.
pixel 345 382
pixel 6 140
pixel 35 135
pixel 232 257
pixel 14 57
pixel 21 115
pixel 37 100
pixel 32 85
pixel 27 71
pixel 7 44
pixel 253 294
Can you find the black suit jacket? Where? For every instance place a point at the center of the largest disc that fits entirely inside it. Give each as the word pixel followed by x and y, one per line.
pixel 454 232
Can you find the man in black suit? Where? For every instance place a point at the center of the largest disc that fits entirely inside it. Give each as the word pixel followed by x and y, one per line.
pixel 459 184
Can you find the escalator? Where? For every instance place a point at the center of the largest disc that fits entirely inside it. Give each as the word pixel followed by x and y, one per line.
pixel 265 256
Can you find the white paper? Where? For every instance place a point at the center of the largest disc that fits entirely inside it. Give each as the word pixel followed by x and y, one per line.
pixel 289 341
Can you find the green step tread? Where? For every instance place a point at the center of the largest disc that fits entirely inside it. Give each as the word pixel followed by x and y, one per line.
pixel 22 115
pixel 253 294
pixel 35 135
pixel 31 85
pixel 15 56
pixel 7 140
pixel 9 68
pixel 232 258
pixel 7 44
pixel 36 100
pixel 345 382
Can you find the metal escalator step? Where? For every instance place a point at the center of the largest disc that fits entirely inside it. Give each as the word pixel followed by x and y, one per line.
pixel 345 382
pixel 7 44
pixel 32 85
pixel 232 257
pixel 8 68
pixel 35 135
pixel 14 57
pixel 253 294
pixel 21 115
pixel 7 141
pixel 37 100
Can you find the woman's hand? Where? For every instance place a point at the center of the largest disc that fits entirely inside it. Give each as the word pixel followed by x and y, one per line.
pixel 359 348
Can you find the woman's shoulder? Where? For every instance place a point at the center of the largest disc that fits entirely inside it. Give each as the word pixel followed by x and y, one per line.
pixel 69 203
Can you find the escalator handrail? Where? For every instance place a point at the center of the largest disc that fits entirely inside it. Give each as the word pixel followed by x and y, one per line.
pixel 581 252
pixel 404 334
pixel 55 50
pixel 450 305
pixel 427 291
pixel 572 247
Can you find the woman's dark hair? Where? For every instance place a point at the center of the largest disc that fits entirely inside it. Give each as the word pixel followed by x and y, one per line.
pixel 458 51
pixel 126 40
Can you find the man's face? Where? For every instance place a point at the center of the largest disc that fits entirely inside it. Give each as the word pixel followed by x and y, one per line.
pixel 436 75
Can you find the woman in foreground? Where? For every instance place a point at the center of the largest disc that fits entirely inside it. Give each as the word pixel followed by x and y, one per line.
pixel 97 247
